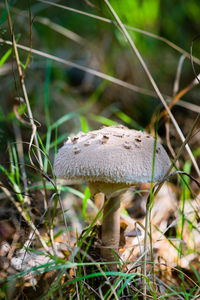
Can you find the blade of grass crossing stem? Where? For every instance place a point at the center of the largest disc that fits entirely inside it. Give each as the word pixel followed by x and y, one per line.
pixel 5 56
pixel 85 200
pixel 16 164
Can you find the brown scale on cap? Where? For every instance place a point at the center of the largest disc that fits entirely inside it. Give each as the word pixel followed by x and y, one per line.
pixel 138 140
pixel 106 136
pixel 88 143
pixel 137 145
pixel 158 150
pixel 127 145
pixel 105 139
pixel 119 135
pixel 93 135
pixel 82 133
pixel 76 150
pixel 75 139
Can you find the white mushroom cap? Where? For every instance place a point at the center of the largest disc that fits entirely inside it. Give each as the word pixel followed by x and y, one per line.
pixel 112 154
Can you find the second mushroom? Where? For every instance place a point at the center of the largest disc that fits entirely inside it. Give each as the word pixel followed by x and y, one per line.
pixel 110 159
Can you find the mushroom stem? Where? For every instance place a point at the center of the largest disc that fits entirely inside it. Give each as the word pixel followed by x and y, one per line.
pixel 110 230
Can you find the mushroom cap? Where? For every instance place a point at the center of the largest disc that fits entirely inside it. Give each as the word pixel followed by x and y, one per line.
pixel 113 154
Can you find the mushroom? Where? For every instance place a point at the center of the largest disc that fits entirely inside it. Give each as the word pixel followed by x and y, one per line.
pixel 111 159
